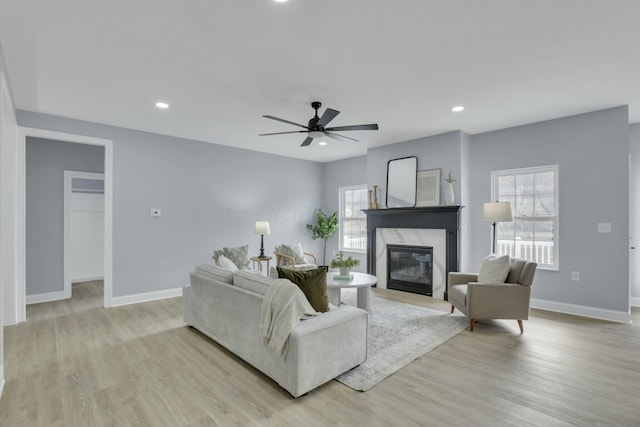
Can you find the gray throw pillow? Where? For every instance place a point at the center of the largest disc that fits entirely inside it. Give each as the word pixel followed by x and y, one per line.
pixel 239 256
pixel 495 269
pixel 294 250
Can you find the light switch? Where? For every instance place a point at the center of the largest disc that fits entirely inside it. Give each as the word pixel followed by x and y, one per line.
pixel 604 227
pixel 156 212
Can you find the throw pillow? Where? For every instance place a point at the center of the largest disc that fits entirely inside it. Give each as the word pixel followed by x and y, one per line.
pixel 226 263
pixel 495 269
pixel 295 250
pixel 313 284
pixel 239 256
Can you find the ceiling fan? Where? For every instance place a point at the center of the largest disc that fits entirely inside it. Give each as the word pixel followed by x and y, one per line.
pixel 316 127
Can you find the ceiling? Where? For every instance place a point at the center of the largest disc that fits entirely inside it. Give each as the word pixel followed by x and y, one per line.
pixel 403 64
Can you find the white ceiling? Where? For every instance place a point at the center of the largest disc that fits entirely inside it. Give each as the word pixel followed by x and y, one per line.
pixel 222 64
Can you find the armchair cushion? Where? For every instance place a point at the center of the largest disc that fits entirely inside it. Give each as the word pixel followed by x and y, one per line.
pixel 495 269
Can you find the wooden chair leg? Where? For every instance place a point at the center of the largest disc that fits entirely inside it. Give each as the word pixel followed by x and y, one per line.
pixel 452 308
pixel 521 326
pixel 472 323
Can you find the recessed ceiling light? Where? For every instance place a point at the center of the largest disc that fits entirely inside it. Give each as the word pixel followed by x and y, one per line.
pixel 162 105
pixel 321 142
pixel 457 109
pixel 280 1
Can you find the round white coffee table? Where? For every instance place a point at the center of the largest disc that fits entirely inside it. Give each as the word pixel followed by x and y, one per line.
pixel 361 281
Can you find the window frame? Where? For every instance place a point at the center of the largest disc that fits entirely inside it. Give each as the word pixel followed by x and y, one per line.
pixel 496 175
pixel 341 207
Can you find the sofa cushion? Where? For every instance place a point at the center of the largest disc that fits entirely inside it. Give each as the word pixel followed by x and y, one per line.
pixel 313 284
pixel 216 273
pixel 252 282
pixel 239 256
pixel 494 269
pixel 294 250
pixel 226 264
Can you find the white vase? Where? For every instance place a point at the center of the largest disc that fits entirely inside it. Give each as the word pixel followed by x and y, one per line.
pixel 344 271
pixel 449 196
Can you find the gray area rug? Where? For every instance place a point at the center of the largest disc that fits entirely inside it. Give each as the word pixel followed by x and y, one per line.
pixel 398 334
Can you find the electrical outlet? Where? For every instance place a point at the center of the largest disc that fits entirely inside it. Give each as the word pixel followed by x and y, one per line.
pixel 575 276
pixel 156 212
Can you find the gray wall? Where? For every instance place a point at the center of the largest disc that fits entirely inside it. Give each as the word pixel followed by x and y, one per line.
pixel 210 196
pixel 634 199
pixel 338 174
pixel 433 152
pixel 592 153
pixel 3 69
pixel 46 162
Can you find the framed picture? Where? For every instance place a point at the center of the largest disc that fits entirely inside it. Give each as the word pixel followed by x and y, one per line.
pixel 428 188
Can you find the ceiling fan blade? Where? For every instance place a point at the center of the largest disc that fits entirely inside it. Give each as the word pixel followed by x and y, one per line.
pixel 285 121
pixel 306 142
pixel 328 115
pixel 341 138
pixel 373 126
pixel 282 133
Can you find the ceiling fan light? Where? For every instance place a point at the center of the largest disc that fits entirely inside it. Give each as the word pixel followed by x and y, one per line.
pixel 316 134
pixel 322 143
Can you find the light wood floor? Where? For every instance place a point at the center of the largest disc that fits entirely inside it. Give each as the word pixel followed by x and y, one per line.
pixel 72 364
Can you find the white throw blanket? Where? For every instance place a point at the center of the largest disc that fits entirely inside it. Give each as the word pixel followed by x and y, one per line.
pixel 283 306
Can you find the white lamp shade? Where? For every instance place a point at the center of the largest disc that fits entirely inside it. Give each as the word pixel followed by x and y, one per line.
pixel 497 212
pixel 262 227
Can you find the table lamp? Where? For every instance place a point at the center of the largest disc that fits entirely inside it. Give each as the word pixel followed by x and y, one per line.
pixel 262 228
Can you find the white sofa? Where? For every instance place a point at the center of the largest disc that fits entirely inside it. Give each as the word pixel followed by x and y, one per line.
pixel 227 307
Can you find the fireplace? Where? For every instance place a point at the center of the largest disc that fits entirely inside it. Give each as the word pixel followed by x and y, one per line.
pixel 410 268
pixel 434 226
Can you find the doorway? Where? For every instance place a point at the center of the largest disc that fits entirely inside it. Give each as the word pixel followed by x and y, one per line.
pixel 83 228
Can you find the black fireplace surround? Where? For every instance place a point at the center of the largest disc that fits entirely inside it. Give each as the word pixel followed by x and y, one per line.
pixel 436 217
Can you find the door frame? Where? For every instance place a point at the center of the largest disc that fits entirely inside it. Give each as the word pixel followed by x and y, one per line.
pixel 68 176
pixel 21 141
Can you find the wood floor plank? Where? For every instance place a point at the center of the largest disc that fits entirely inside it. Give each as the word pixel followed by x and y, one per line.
pixel 75 363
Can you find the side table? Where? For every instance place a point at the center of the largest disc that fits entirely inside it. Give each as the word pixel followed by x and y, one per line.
pixel 259 260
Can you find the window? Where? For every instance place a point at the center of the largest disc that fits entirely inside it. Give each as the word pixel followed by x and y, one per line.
pixel 533 234
pixel 353 222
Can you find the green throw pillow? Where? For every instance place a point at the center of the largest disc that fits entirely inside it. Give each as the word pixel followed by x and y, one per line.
pixel 313 284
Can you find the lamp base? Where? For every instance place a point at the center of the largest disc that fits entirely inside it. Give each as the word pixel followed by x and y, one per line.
pixel 261 246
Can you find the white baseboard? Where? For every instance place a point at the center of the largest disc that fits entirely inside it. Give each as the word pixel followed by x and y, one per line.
pixel 582 310
pixel 86 279
pixel 635 301
pixel 46 297
pixel 146 297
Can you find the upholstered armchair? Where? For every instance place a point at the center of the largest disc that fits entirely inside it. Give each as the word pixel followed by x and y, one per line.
pixel 479 298
pixel 294 257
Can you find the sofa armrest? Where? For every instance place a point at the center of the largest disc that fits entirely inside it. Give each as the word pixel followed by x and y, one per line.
pixel 456 278
pixel 327 345
pixel 498 301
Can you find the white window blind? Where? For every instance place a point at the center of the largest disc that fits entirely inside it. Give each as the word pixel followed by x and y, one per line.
pixel 533 193
pixel 353 222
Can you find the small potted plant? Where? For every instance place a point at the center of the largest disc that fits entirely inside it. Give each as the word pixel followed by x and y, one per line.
pixel 345 265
